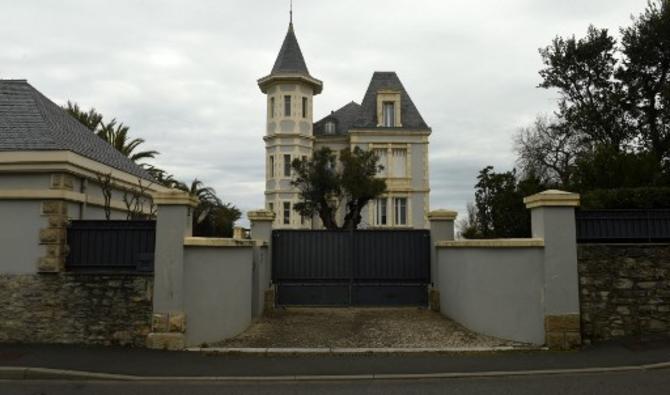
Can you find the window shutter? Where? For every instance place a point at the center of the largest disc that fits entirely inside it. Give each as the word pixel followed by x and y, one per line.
pixel 399 162
pixel 381 154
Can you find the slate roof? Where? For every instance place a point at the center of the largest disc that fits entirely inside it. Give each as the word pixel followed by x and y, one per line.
pixel 344 119
pixel 388 80
pixel 364 116
pixel 31 122
pixel 290 59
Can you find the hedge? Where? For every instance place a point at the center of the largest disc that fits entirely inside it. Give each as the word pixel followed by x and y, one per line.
pixel 627 198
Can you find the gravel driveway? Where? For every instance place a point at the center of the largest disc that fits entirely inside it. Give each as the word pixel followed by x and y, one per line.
pixel 358 328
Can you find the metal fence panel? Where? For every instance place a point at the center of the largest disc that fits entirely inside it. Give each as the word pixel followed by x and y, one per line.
pixel 365 267
pixel 99 245
pixel 623 225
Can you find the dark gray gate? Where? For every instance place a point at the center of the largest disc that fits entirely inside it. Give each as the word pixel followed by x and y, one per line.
pixel 365 267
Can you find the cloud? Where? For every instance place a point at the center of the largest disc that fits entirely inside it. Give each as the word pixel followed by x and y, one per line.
pixel 183 74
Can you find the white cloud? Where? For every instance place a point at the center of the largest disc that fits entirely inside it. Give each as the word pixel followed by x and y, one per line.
pixel 183 74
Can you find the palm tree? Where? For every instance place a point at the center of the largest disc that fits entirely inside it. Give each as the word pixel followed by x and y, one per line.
pixel 90 119
pixel 117 136
pixel 212 217
pixel 161 176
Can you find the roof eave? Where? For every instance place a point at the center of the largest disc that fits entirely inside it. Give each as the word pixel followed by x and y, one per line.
pixel 266 82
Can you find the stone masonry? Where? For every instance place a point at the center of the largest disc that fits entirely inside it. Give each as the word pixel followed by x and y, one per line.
pixel 624 290
pixel 76 308
pixel 53 236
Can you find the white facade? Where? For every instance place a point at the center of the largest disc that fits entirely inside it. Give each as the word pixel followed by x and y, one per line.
pixel 386 122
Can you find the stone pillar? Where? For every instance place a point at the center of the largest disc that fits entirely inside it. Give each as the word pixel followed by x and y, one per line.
pixel 441 228
pixel 261 231
pixel 553 219
pixel 261 224
pixel 53 236
pixel 239 233
pixel 173 223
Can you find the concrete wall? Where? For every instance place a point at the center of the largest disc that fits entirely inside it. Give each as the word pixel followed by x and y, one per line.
pixel 20 224
pixel 520 289
pixel 495 291
pixel 262 279
pixel 218 292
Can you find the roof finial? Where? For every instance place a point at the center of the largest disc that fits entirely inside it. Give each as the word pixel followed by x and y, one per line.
pixel 290 12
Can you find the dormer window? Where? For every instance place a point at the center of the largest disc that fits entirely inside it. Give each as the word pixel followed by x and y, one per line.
pixel 388 109
pixel 330 127
pixel 388 114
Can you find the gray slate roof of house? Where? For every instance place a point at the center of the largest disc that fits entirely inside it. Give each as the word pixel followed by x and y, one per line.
pixel 344 119
pixel 31 122
pixel 290 59
pixel 388 80
pixel 364 116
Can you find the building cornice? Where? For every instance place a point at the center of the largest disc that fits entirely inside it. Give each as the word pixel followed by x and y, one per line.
pixel 69 162
pixel 266 82
pixel 389 132
pixel 59 194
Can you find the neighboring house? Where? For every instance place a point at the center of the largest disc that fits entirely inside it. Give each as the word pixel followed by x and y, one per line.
pixel 386 121
pixel 50 167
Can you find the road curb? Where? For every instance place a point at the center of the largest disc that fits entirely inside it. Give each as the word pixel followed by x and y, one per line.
pixel 35 373
pixel 368 350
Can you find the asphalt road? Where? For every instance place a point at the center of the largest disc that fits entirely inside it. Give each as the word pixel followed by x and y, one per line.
pixel 645 382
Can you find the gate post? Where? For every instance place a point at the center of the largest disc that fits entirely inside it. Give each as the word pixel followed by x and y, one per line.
pixel 553 219
pixel 441 228
pixel 174 221
pixel 261 231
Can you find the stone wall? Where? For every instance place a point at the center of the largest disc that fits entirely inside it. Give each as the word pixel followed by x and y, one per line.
pixel 624 289
pixel 76 308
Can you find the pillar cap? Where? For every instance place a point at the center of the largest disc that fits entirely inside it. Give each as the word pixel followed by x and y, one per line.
pixel 552 198
pixel 175 198
pixel 442 215
pixel 261 215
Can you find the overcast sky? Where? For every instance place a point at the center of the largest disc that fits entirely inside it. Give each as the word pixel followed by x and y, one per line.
pixel 183 74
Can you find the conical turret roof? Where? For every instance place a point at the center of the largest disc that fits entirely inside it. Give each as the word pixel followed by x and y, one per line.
pixel 290 66
pixel 290 59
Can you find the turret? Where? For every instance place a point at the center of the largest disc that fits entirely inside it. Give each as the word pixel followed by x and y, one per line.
pixel 289 118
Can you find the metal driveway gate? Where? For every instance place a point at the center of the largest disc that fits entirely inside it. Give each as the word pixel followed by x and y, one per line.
pixel 365 267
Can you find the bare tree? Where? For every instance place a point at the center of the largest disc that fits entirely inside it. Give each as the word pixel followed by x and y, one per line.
pixel 135 199
pixel 548 150
pixel 106 185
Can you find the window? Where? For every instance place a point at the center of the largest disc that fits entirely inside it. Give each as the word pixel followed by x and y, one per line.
pixel 271 207
pixel 330 127
pixel 400 209
pixel 381 155
pixel 380 215
pixel 287 106
pixel 287 213
pixel 388 114
pixel 399 162
pixel 304 107
pixel 287 165
pixel 271 164
pixel 304 158
pixel 272 107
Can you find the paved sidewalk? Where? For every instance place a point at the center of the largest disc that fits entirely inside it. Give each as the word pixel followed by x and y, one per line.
pixel 141 362
pixel 392 327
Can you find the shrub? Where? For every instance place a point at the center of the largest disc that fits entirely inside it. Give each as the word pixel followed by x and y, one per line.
pixel 627 198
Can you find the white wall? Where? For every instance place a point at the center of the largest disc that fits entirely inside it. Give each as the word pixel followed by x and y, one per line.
pixel 494 291
pixel 217 292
